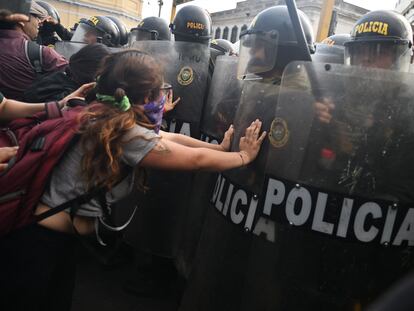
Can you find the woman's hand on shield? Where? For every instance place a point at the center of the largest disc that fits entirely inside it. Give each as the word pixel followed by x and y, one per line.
pixel 250 143
pixel 169 103
pixel 228 137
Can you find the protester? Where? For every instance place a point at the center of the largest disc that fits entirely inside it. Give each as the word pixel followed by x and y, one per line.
pixel 17 71
pixel 116 136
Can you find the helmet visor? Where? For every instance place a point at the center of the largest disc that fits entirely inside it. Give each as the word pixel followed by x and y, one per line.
pixel 86 34
pixel 142 35
pixel 375 54
pixel 258 52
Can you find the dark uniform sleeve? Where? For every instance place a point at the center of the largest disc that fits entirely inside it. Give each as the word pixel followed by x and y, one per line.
pixel 63 33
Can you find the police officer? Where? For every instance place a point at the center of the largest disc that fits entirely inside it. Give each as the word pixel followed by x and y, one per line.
pixel 97 29
pixel 150 28
pixel 269 44
pixel 51 26
pixel 192 24
pixel 266 47
pixel 381 39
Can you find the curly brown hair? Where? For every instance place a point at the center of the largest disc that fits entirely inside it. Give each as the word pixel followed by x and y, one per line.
pixel 103 126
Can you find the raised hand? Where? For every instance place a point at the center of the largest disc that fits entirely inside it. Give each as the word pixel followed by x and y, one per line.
pixel 250 143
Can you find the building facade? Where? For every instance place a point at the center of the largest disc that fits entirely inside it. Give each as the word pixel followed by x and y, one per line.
pixel 406 8
pixel 230 23
pixel 71 11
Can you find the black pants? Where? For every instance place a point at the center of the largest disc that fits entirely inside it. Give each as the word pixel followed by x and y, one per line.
pixel 37 270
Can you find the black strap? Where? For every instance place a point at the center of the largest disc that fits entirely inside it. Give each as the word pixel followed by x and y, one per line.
pixel 72 204
pixel 34 55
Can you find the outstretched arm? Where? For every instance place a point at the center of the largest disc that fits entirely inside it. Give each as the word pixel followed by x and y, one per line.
pixel 13 109
pixel 195 143
pixel 168 154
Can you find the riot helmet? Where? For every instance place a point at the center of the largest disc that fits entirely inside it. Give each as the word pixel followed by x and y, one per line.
pixel 331 49
pixel 123 31
pixel 192 24
pixel 270 43
pixel 224 46
pixel 97 29
pixel 380 39
pixel 150 28
pixel 51 10
pixel 47 29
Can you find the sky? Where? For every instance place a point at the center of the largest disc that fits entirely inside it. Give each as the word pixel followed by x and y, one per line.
pixel 151 6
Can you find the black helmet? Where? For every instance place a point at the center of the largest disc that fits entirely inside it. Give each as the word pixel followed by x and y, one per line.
pixel 150 28
pixel 51 11
pixel 192 24
pixel 223 45
pixel 331 49
pixel 380 39
pixel 270 43
pixel 97 29
pixel 47 29
pixel 123 30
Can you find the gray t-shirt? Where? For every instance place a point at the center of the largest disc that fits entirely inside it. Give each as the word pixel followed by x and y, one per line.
pixel 66 182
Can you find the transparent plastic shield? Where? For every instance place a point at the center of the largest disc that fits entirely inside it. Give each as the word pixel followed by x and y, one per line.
pixel 223 98
pixel 185 67
pixel 258 100
pixel 258 52
pixel 334 214
pixel 68 48
pixel 86 34
pixel 348 130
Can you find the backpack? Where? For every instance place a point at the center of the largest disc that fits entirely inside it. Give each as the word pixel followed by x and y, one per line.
pixel 42 141
pixel 34 54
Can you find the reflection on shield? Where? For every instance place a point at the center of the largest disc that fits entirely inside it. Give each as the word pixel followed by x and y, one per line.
pixel 331 228
pixel 68 48
pixel 223 98
pixel 219 112
pixel 185 67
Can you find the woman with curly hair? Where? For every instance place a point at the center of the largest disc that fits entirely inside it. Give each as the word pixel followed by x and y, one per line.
pixel 117 141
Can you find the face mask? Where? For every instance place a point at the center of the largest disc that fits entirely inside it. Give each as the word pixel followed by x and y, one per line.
pixel 154 111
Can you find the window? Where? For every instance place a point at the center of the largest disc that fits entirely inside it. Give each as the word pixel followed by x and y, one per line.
pixel 234 33
pixel 218 33
pixel 226 33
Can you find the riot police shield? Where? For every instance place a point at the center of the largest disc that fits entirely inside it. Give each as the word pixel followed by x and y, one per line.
pixel 157 227
pixel 218 115
pixel 68 48
pixel 331 227
pixel 223 99
pixel 185 67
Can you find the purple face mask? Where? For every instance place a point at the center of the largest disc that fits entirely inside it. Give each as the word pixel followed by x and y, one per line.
pixel 154 111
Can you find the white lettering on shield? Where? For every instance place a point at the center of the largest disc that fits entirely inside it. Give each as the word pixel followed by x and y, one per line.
pixel 368 224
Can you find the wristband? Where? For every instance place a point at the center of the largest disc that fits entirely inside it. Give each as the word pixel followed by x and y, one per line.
pixel 53 110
